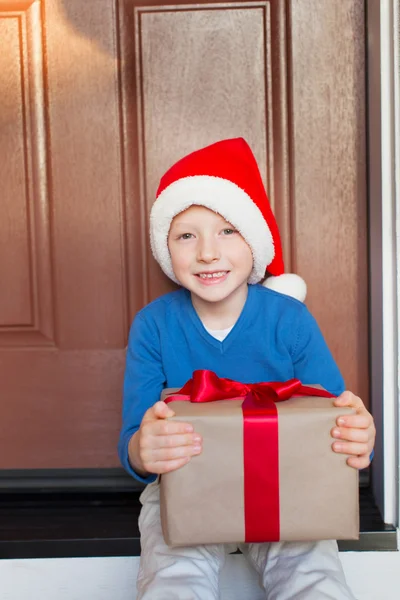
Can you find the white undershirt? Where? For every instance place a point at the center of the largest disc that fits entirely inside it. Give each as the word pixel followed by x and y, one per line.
pixel 219 334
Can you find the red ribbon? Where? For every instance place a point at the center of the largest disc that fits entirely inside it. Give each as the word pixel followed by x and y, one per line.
pixel 260 441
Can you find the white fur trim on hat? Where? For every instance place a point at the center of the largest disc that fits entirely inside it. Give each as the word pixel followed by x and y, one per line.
pixel 223 197
pixel 289 284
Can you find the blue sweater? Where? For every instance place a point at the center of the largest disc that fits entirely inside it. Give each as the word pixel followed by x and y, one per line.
pixel 275 338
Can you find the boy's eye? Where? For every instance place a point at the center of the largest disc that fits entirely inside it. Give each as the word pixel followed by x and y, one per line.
pixel 185 236
pixel 229 231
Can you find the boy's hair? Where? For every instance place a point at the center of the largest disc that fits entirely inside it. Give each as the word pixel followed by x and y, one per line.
pixel 225 178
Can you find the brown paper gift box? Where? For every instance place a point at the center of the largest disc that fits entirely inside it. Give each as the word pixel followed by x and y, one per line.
pixel 203 502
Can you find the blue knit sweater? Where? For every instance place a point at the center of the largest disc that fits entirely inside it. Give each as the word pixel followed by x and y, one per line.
pixel 275 338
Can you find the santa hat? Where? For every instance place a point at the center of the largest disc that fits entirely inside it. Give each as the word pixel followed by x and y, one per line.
pixel 225 178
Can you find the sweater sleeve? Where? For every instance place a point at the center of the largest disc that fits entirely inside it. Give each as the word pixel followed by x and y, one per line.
pixel 312 360
pixel 143 382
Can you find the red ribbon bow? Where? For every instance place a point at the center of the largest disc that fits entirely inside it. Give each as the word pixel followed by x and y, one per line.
pixel 260 441
pixel 206 386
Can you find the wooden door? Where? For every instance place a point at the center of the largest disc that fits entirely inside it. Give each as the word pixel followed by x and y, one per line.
pixel 98 98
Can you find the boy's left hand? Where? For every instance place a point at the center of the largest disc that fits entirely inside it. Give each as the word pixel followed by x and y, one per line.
pixel 354 434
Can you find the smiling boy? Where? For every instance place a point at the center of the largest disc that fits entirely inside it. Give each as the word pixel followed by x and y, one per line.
pixel 213 232
pixel 211 260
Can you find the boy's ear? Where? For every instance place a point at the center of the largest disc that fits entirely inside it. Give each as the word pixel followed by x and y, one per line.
pixel 289 284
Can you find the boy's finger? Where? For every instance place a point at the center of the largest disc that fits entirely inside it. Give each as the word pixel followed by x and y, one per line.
pixel 348 399
pixel 162 410
pixel 360 421
pixel 358 462
pixel 351 435
pixel 351 448
pixel 165 428
pixel 165 466
pixel 177 439
pixel 155 412
pixel 165 454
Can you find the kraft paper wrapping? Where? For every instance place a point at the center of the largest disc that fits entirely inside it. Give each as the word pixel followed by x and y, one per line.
pixel 203 502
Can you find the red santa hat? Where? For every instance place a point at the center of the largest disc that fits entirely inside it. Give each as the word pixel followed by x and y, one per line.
pixel 225 178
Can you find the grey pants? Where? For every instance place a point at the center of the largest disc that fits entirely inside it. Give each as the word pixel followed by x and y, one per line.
pixel 287 570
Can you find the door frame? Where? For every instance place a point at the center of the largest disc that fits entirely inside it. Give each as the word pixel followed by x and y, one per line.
pixel 384 249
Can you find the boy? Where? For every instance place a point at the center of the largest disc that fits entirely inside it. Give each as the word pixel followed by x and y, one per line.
pixel 213 232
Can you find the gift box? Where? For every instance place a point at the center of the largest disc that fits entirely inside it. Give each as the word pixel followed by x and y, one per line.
pixel 267 471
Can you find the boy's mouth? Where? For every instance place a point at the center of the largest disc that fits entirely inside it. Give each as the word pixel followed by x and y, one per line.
pixel 212 276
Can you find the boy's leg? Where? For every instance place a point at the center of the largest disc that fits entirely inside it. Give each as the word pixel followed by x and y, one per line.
pixel 174 573
pixel 299 570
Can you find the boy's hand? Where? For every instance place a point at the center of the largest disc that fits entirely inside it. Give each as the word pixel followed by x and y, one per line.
pixel 355 434
pixel 165 445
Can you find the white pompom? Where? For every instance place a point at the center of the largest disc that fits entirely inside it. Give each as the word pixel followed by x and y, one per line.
pixel 289 284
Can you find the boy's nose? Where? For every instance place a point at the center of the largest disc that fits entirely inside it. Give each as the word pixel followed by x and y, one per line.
pixel 208 251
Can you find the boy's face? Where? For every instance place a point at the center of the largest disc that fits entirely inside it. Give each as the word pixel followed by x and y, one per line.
pixel 209 256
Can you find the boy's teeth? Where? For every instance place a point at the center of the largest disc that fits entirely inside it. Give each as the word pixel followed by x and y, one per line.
pixel 211 275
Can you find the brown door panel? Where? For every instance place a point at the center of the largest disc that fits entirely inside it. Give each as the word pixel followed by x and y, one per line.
pixel 98 98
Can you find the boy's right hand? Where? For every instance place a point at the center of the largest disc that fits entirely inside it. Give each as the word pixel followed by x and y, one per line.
pixel 161 445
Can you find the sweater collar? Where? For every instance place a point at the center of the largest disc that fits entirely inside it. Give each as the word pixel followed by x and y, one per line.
pixel 241 322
